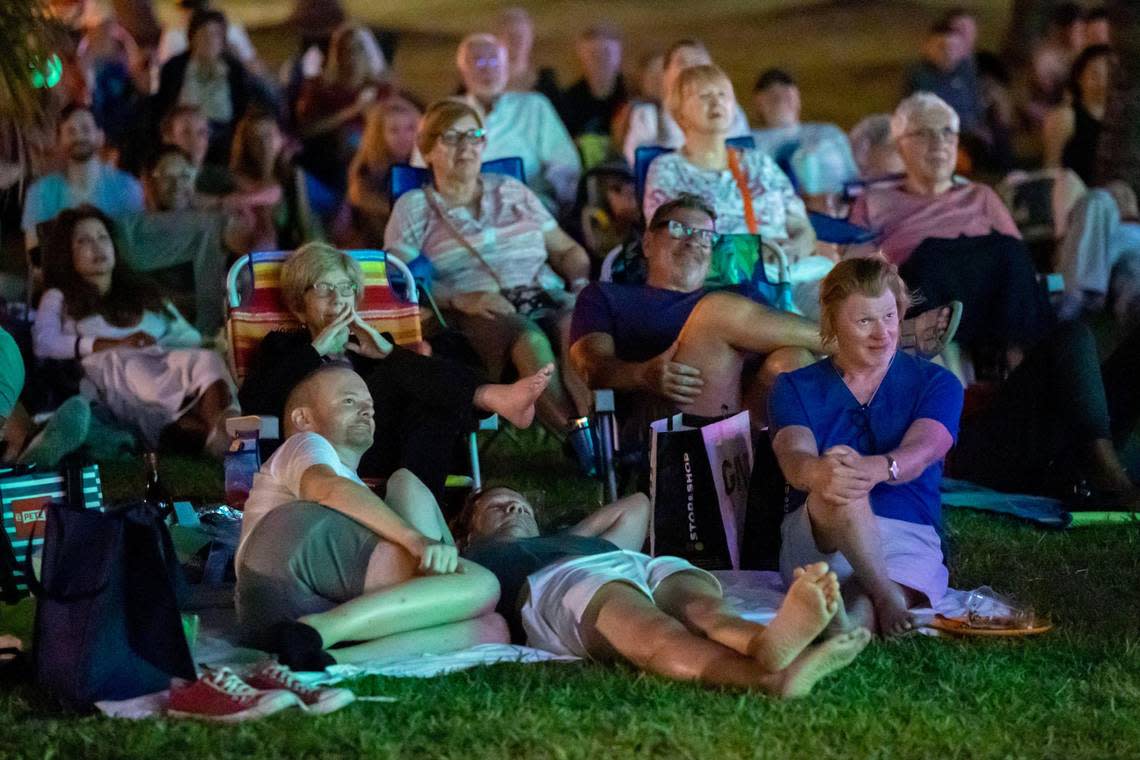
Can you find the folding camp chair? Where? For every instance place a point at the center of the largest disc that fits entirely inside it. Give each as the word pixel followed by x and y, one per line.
pixel 405 177
pixel 262 311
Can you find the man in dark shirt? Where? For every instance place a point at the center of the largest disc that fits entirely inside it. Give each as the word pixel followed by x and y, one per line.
pixel 673 338
pixel 588 106
pixel 589 592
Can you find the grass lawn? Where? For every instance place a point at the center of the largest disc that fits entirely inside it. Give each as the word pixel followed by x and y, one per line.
pixel 1072 693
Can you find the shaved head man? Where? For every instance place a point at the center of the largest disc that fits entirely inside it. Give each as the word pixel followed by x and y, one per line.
pixel 323 560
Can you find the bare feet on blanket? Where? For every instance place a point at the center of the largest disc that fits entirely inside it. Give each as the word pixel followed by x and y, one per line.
pixel 811 602
pixel 515 401
pixel 822 660
pixel 891 612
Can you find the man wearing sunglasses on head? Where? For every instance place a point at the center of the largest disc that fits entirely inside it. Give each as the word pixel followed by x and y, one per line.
pixel 674 344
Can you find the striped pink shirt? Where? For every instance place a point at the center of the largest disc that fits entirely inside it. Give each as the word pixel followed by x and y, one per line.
pixel 509 232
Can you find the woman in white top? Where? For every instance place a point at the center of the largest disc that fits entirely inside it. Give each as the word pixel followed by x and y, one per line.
pixel 701 100
pixel 503 270
pixel 140 358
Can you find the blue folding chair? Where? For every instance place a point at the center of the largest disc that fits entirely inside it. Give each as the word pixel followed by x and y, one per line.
pixel 406 177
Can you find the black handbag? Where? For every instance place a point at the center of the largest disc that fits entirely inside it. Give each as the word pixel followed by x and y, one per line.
pixel 107 623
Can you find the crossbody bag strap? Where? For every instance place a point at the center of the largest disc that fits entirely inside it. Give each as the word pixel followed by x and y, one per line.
pixel 745 191
pixel 429 194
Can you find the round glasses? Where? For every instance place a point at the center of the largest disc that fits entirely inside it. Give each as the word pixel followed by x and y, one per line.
pixel 328 289
pixel 454 137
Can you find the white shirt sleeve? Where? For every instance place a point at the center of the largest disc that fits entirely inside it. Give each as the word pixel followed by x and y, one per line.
pixel 303 450
pixel 54 334
pixel 642 130
pixel 561 164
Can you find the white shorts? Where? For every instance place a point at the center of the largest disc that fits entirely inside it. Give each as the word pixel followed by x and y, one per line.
pixel 913 553
pixel 560 593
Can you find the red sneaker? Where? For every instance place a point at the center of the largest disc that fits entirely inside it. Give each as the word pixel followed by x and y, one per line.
pixel 317 700
pixel 220 695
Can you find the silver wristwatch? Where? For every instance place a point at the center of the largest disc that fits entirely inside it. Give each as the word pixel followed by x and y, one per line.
pixel 892 468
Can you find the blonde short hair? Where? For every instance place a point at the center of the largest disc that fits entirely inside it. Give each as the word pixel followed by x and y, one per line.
pixel 438 118
pixel 692 77
pixel 307 265
pixel 870 277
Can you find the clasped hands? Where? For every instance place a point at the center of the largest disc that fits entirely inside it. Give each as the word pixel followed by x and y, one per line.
pixel 338 335
pixel 842 475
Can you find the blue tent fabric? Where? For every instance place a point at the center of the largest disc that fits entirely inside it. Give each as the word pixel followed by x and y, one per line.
pixel 1043 511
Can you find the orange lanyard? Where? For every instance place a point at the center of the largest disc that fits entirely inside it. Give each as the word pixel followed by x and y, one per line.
pixel 745 193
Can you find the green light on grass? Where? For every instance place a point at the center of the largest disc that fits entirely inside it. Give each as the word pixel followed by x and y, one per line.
pixel 49 75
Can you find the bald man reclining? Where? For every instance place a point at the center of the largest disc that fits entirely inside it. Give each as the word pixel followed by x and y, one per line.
pixel 323 561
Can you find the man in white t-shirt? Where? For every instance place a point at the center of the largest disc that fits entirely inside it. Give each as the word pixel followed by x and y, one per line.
pixel 322 560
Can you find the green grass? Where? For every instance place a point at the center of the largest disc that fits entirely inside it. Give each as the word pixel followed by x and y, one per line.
pixel 1072 693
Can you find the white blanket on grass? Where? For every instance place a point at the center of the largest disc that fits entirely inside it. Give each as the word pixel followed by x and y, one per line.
pixel 756 594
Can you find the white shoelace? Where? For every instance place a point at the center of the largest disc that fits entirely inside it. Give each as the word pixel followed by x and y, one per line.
pixel 227 682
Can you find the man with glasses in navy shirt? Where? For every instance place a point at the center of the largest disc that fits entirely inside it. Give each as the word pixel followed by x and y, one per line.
pixel 674 339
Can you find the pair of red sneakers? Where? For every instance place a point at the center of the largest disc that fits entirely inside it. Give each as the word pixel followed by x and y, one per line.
pixel 223 695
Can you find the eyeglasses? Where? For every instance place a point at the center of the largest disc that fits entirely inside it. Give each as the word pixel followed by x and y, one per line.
pixel 494 62
pixel 946 134
pixel 682 231
pixel 454 137
pixel 327 289
pixel 185 176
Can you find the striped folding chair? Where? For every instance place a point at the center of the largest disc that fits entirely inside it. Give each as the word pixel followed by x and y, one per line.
pixel 262 311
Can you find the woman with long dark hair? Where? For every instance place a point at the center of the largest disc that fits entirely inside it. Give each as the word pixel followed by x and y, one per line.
pixel 139 357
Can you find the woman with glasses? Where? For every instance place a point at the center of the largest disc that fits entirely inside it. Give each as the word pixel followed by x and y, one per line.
pixel 503 271
pixel 860 437
pixel 747 189
pixel 421 404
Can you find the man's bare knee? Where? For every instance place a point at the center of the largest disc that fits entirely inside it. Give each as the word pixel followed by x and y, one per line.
pixel 713 309
pixel 483 587
pixel 787 359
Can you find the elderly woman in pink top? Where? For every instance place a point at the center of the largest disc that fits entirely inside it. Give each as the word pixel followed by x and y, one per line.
pixel 952 239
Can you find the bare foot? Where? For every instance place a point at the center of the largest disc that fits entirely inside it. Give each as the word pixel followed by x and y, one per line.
pixel 811 603
pixel 928 333
pixel 819 661
pixel 9 642
pixel 515 402
pixel 891 612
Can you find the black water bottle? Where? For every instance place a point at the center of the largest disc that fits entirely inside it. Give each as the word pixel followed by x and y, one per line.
pixel 156 494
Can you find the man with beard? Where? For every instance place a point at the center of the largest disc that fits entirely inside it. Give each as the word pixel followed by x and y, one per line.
pixel 85 179
pixel 322 560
